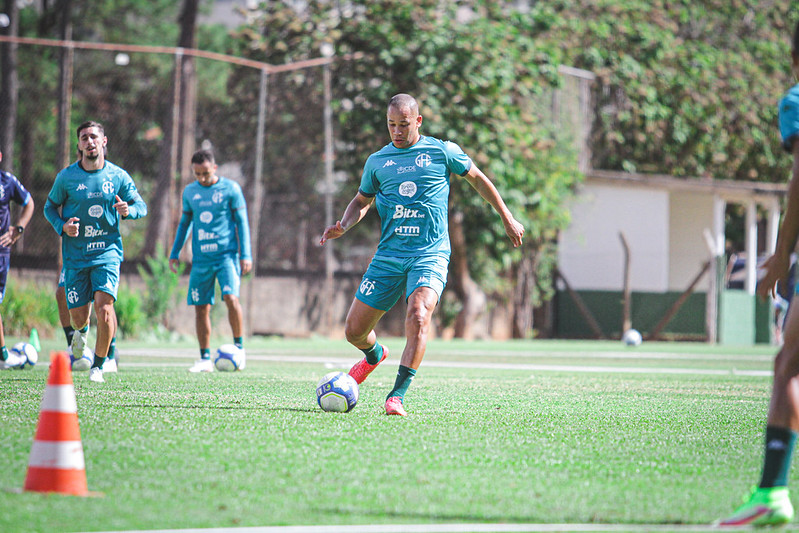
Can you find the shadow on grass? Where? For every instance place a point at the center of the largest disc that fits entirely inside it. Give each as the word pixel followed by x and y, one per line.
pixel 219 407
pixel 442 517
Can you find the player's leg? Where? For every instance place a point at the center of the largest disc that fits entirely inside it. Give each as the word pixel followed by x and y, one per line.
pixel 79 294
pixel 105 283
pixel 769 503
pixel 427 277
pixel 4 355
pixel 201 297
pixel 229 276
pixel 381 287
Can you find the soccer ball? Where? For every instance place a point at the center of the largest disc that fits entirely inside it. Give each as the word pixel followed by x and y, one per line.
pixel 337 392
pixel 632 337
pixel 229 358
pixel 27 352
pixel 84 362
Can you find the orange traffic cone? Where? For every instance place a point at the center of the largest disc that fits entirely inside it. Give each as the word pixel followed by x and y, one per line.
pixel 56 460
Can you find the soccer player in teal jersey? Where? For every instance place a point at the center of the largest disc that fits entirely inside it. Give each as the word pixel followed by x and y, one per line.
pixel 215 210
pixel 770 503
pixel 88 200
pixel 408 181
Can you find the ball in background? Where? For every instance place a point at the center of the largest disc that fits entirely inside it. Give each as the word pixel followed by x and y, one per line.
pixel 632 337
pixel 229 358
pixel 83 362
pixel 28 352
pixel 337 392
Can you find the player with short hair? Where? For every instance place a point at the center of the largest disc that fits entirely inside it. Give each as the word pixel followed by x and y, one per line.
pixel 408 182
pixel 215 210
pixel 770 503
pixel 88 200
pixel 10 190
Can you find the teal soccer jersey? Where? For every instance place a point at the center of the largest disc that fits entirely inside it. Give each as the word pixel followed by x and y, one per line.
pixel 789 117
pixel 217 216
pixel 411 191
pixel 90 196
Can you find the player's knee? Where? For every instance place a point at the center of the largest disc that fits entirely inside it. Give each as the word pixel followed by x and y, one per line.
pixel 353 334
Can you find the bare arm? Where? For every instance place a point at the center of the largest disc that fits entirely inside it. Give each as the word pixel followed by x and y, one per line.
pixel 12 235
pixel 355 211
pixel 483 185
pixel 778 265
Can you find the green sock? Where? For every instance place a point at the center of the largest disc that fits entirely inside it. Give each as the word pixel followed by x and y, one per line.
pixel 112 349
pixel 205 353
pixel 373 354
pixel 69 331
pixel 98 361
pixel 404 377
pixel 239 342
pixel 3 353
pixel 777 462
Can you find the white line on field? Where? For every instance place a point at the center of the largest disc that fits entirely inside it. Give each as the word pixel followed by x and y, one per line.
pixel 344 362
pixel 443 528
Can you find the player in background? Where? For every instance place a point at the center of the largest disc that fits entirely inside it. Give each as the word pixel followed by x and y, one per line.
pixel 408 181
pixel 215 210
pixel 10 190
pixel 88 200
pixel 110 365
pixel 770 503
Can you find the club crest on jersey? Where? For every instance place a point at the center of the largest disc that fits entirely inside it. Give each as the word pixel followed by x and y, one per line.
pixel 218 197
pixel 108 187
pixel 407 188
pixel 423 160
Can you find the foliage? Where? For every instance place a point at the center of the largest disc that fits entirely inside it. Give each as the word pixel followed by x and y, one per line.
pixel 162 287
pixel 683 88
pixel 28 305
pixel 131 319
pixel 429 49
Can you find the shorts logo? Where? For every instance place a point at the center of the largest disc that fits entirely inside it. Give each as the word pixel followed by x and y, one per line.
pixel 108 187
pixel 96 211
pixel 367 287
pixel 195 295
pixel 423 160
pixel 206 217
pixel 218 197
pixel 227 288
pixel 423 279
pixel 407 188
pixel 72 296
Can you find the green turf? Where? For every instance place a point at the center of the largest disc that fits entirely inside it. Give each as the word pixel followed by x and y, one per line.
pixel 170 449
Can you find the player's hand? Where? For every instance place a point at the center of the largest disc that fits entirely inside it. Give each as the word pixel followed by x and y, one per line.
pixel 514 230
pixel 777 268
pixel 122 207
pixel 10 237
pixel 72 227
pixel 246 266
pixel 173 265
pixel 332 232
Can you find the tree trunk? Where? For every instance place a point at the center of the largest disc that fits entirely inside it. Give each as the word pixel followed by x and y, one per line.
pixel 523 297
pixel 165 205
pixel 9 87
pixel 472 298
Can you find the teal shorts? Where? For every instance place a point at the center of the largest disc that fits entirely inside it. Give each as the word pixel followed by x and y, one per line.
pixel 80 284
pixel 201 280
pixel 388 278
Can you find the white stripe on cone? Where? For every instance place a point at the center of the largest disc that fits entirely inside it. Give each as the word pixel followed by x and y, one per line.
pixel 59 398
pixel 62 454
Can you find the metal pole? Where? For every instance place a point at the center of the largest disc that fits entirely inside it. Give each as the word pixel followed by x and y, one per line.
pixel 328 120
pixel 256 208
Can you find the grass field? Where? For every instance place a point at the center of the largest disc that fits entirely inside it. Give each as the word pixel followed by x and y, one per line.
pixel 497 432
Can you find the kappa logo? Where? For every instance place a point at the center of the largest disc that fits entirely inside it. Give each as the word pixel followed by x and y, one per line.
pixel 389 163
pixel 197 196
pixel 227 289
pixel 423 279
pixel 367 287
pixel 423 160
pixel 81 187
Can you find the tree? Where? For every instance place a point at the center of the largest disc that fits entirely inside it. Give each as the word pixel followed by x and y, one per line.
pixel 429 48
